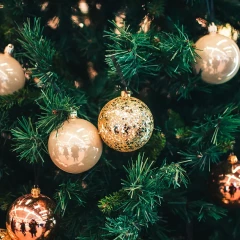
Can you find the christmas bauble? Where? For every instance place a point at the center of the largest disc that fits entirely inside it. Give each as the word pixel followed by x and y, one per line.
pixel 76 146
pixel 4 235
pixel 219 58
pixel 225 182
pixel 31 217
pixel 12 76
pixel 125 123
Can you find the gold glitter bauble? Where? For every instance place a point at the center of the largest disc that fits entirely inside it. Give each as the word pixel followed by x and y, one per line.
pixel 219 58
pixel 4 235
pixel 31 217
pixel 125 123
pixel 12 76
pixel 76 146
pixel 225 183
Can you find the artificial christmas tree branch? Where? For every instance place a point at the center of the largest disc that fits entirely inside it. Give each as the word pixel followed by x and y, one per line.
pixel 38 50
pixel 29 143
pixel 55 109
pixel 202 157
pixel 165 197
pixel 217 128
pixel 69 191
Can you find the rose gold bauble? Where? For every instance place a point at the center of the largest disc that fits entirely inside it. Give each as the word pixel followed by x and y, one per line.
pixel 31 217
pixel 76 146
pixel 12 77
pixel 4 235
pixel 225 182
pixel 125 123
pixel 219 58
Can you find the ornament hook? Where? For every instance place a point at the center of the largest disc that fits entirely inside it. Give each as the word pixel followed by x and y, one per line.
pixel 9 49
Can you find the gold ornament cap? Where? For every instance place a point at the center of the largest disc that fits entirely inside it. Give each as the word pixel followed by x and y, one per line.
pixel 232 158
pixel 126 94
pixel 35 191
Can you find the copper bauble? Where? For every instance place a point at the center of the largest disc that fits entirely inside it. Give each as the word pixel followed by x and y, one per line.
pixel 76 146
pixel 31 217
pixel 12 76
pixel 219 58
pixel 4 235
pixel 225 183
pixel 125 123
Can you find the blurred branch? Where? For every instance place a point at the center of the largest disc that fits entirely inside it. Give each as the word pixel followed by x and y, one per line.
pixel 69 192
pixel 201 157
pixel 218 128
pixel 122 228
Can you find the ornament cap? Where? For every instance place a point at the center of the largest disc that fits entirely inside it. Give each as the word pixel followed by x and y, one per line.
pixel 232 158
pixel 73 114
pixel 35 191
pixel 125 94
pixel 212 28
pixel 9 49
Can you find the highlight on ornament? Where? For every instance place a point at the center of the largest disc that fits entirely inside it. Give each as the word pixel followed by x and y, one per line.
pixel 12 77
pixel 4 234
pixel 226 181
pixel 31 216
pixel 125 123
pixel 76 146
pixel 219 57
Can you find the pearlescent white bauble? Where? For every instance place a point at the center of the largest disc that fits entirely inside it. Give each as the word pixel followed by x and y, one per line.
pixel 219 58
pixel 76 146
pixel 12 76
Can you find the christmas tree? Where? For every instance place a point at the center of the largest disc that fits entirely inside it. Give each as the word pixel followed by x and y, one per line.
pixel 144 166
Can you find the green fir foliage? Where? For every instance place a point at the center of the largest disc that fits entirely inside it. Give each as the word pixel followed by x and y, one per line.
pixel 123 228
pixel 97 49
pixel 38 50
pixel 28 142
pixel 112 202
pixel 217 128
pixel 19 98
pixel 131 53
pixel 156 8
pixel 56 108
pixel 67 192
pixel 158 140
pixel 172 175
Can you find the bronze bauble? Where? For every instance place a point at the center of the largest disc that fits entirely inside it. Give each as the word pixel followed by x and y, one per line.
pixel 125 123
pixel 225 183
pixel 31 217
pixel 4 234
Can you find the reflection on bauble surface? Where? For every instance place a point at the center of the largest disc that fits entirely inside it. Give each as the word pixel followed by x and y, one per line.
pixel 219 58
pixel 226 183
pixel 31 218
